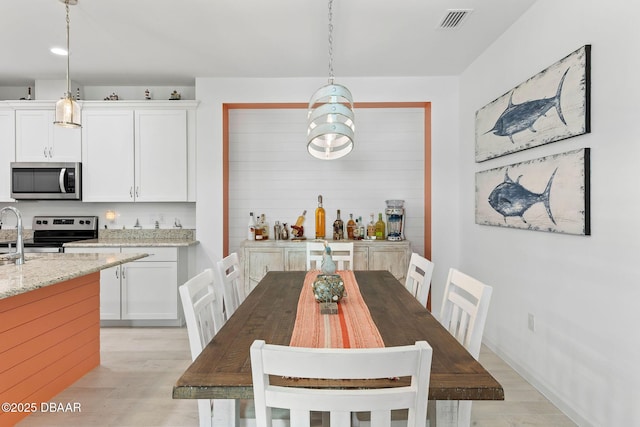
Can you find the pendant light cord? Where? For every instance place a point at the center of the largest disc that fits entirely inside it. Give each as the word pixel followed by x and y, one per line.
pixel 68 51
pixel 330 41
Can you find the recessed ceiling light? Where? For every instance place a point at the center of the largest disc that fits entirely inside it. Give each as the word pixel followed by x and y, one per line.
pixel 59 51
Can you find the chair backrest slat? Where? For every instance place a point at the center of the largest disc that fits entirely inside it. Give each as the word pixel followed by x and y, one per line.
pixel 230 275
pixel 464 309
pixel 341 253
pixel 418 279
pixel 295 362
pixel 203 309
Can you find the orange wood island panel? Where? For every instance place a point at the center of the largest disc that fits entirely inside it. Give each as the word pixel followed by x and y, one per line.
pixel 49 338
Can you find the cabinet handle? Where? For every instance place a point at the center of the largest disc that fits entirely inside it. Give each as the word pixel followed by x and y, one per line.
pixel 266 269
pixel 131 192
pixel 137 191
pixel 45 151
pixel 117 276
pixel 123 271
pixel 50 153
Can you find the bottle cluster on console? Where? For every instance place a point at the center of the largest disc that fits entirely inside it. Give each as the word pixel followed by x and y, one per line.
pixel 355 229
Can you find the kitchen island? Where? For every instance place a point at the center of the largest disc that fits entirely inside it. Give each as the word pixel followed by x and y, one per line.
pixel 49 326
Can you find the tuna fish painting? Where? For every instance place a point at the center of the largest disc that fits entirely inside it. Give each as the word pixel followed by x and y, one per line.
pixel 550 106
pixel 509 198
pixel 548 194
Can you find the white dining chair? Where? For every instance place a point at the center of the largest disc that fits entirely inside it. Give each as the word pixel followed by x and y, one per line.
pixel 464 313
pixel 202 303
pixel 203 313
pixel 230 275
pixel 341 253
pixel 338 364
pixel 418 280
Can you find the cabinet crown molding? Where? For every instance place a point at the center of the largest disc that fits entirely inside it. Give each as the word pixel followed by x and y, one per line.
pixel 147 104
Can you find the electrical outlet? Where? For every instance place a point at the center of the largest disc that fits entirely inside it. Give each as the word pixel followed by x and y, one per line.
pixel 532 322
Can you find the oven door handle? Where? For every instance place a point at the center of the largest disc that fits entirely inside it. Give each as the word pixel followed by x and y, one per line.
pixel 63 172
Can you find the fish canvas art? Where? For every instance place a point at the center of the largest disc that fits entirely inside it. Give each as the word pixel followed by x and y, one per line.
pixel 545 194
pixel 550 106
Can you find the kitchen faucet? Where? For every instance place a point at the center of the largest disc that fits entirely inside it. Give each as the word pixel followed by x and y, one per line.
pixel 19 254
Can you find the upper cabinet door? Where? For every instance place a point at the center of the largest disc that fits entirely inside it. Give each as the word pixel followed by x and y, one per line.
pixel 161 155
pixel 39 140
pixel 7 152
pixel 107 161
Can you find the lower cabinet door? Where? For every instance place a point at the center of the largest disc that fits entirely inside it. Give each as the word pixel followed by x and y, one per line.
pixel 149 290
pixel 110 293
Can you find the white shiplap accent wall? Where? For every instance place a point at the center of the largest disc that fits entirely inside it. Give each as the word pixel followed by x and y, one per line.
pixel 271 172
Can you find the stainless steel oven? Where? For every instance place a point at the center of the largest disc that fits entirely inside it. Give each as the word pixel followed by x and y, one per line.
pixel 50 233
pixel 46 181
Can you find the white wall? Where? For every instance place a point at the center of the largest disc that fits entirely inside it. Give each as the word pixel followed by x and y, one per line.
pixel 583 291
pixel 271 172
pixel 441 91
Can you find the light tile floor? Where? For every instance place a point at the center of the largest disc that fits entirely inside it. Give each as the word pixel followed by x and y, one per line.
pixel 133 384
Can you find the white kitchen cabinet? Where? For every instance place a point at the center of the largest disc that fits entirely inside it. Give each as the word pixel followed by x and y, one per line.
pixel 110 288
pixel 7 152
pixel 161 155
pixel 39 140
pixel 149 285
pixel 142 292
pixel 137 154
pixel 107 156
pixel 260 257
pixel 109 283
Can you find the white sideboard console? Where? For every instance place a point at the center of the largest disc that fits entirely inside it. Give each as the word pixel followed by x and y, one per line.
pixel 260 257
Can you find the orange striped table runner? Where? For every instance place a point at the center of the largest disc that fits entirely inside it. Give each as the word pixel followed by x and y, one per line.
pixel 352 327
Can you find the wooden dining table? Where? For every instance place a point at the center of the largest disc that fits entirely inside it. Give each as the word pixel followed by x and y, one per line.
pixel 223 369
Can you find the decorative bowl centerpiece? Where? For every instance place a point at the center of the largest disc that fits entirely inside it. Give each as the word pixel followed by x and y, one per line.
pixel 328 288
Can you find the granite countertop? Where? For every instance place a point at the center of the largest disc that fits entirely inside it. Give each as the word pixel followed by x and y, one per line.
pixel 40 270
pixel 135 238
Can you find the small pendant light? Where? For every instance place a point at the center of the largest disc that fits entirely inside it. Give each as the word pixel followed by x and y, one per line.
pixel 330 119
pixel 68 110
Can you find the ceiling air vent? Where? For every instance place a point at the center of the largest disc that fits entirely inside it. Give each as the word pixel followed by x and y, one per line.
pixel 454 18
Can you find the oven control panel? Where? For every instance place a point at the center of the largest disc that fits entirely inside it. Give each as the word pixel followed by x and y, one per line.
pixel 75 223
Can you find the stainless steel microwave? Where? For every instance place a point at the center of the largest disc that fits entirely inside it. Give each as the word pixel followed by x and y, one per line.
pixel 46 181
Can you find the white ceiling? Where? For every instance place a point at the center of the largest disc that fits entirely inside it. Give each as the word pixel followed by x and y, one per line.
pixel 170 42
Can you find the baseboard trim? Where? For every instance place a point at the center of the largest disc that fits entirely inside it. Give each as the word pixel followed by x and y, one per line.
pixel 561 404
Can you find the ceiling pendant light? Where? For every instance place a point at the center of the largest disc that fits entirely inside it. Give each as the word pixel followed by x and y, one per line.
pixel 330 119
pixel 68 110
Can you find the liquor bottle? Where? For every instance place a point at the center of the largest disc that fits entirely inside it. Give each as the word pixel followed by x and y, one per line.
pixel 300 219
pixel 320 225
pixel 380 228
pixel 371 229
pixel 356 230
pixel 29 94
pixel 265 227
pixel 259 227
pixel 362 232
pixel 251 229
pixel 351 226
pixel 338 228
